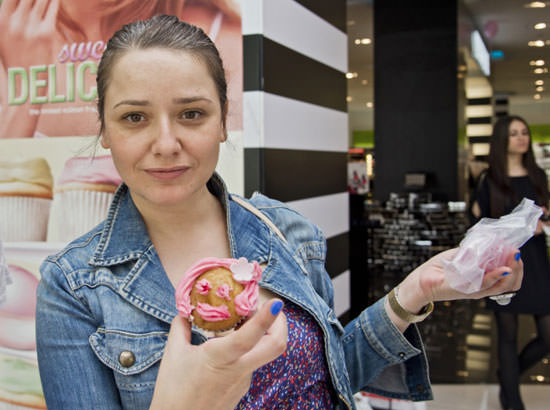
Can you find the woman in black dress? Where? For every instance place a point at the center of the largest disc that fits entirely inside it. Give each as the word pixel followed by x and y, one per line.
pixel 512 175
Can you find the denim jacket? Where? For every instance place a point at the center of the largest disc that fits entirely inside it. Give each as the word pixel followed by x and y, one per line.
pixel 105 305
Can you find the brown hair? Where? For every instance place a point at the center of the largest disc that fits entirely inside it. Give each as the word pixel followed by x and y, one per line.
pixel 162 31
pixel 499 184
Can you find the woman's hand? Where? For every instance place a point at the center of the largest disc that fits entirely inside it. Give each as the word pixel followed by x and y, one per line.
pixel 217 373
pixel 428 282
pixel 28 30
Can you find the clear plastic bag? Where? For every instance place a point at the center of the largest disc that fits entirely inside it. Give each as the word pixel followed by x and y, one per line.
pixel 487 245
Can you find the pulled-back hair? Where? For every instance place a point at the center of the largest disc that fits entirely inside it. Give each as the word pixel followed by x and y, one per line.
pixel 160 31
pixel 500 187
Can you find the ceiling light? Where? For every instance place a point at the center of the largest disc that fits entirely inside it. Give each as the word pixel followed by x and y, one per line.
pixel 349 98
pixel 539 89
pixel 364 40
pixel 536 62
pixel 536 96
pixel 536 43
pixel 535 5
pixel 364 82
pixel 540 26
pixel 540 70
pixel 539 82
pixel 351 22
pixel 351 75
pixel 369 104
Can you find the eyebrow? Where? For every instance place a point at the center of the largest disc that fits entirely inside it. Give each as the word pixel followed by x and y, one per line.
pixel 183 100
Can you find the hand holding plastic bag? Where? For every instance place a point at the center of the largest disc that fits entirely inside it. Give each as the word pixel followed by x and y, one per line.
pixel 487 245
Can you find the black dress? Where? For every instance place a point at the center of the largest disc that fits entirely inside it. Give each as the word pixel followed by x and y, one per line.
pixel 534 295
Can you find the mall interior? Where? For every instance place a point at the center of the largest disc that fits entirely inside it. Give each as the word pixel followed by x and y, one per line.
pixel 423 90
pixel 372 119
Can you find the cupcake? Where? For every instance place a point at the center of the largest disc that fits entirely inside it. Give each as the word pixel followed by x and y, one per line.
pixel 25 199
pixel 82 195
pixel 19 381
pixel 216 294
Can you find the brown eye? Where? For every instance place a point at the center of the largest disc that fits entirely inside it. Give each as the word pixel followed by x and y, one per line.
pixel 191 115
pixel 134 117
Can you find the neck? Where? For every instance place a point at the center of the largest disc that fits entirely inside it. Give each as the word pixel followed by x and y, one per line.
pixel 515 165
pixel 176 221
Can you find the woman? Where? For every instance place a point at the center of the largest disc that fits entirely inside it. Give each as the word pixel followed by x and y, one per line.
pixel 106 310
pixel 512 175
pixel 64 40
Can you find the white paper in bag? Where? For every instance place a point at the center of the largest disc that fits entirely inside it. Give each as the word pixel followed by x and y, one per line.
pixel 487 245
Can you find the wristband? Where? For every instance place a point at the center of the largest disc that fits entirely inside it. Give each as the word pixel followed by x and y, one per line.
pixel 403 313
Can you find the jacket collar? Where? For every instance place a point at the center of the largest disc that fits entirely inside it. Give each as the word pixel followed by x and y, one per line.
pixel 124 236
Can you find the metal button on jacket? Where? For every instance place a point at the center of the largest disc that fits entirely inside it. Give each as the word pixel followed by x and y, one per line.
pixel 126 358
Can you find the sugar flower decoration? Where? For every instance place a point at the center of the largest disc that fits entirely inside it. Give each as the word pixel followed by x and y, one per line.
pixel 223 291
pixel 242 270
pixel 203 286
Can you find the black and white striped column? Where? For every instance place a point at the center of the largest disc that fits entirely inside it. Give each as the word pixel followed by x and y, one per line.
pixel 295 117
pixel 501 105
pixel 479 115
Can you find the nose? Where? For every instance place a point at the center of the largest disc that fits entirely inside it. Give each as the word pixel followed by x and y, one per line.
pixel 165 140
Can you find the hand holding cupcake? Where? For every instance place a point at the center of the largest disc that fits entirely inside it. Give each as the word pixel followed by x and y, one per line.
pixel 216 294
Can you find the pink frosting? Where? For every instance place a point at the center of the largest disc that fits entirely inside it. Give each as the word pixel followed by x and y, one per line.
pixel 223 292
pixel 245 302
pixel 96 170
pixel 203 287
pixel 213 313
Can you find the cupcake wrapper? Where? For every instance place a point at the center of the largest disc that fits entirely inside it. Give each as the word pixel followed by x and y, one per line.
pixel 23 218
pixel 76 212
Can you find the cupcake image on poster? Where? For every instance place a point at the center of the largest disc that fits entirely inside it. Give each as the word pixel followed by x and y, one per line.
pixel 20 386
pixel 82 196
pixel 25 199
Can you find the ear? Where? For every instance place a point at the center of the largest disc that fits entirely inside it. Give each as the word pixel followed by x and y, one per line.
pixel 224 122
pixel 104 142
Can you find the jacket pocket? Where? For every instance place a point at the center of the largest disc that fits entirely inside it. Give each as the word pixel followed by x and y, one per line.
pixel 128 353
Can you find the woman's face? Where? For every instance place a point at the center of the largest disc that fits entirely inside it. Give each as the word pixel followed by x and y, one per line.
pixel 518 140
pixel 163 124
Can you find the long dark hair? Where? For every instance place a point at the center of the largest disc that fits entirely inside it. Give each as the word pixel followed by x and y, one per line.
pixel 501 192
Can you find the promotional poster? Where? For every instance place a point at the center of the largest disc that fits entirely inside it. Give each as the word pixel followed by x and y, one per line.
pixel 56 182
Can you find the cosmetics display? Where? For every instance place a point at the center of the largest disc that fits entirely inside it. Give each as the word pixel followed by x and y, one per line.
pixel 403 233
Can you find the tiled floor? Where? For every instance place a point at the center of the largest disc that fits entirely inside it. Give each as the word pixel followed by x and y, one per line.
pixel 485 397
pixel 464 397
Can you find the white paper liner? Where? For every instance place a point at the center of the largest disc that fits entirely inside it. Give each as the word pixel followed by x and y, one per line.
pixel 76 212
pixel 23 218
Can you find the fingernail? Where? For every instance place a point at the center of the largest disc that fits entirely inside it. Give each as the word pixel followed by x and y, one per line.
pixel 517 256
pixel 505 273
pixel 276 307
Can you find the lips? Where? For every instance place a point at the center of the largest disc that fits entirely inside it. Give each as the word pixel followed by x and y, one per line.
pixel 167 173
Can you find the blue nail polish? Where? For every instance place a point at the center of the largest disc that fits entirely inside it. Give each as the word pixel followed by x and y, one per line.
pixel 505 273
pixel 276 307
pixel 517 256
